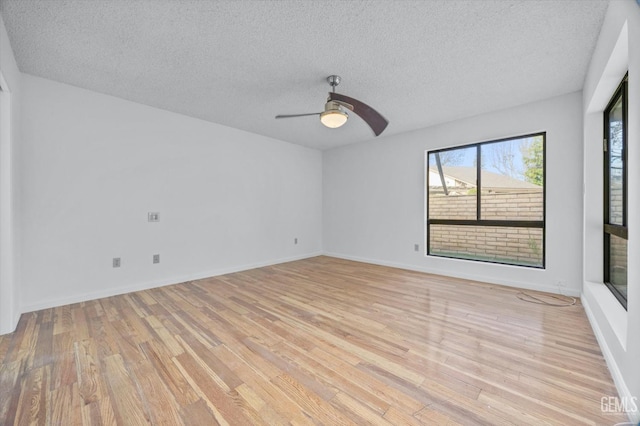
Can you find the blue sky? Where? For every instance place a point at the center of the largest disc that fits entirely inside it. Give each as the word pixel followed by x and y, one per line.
pixel 492 157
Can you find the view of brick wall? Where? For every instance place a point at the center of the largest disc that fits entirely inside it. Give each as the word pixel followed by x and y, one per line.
pixel 501 244
pixel 618 263
pixel 615 204
pixel 504 206
pixel 618 246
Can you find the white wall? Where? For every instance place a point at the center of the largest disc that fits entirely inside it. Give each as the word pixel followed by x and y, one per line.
pixel 374 195
pixel 95 165
pixel 617 330
pixel 9 185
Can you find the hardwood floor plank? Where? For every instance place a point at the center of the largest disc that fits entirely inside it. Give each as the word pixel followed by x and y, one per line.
pixel 540 403
pixel 28 339
pixel 103 335
pixel 389 394
pixel 9 389
pixel 226 378
pixel 127 406
pixel 248 355
pixel 63 319
pixel 91 383
pixel 197 414
pixel 400 418
pixel 171 376
pixel 310 402
pixel 316 341
pixel 65 406
pixel 156 398
pixel 161 334
pixel 428 416
pixel 260 384
pixel 63 370
pixel 357 411
pixel 219 400
pixel 361 352
pixel 391 380
pixel 471 412
pixel 521 412
pixel 32 405
pixel 99 413
pixel 198 325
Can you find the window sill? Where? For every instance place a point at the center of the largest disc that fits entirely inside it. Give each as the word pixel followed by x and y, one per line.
pixel 616 316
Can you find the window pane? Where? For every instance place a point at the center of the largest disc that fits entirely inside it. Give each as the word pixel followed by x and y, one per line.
pixel 616 164
pixel 618 264
pixel 615 168
pixel 512 179
pixel 452 187
pixel 517 246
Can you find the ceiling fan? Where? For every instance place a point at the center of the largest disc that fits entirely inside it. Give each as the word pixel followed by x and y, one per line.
pixel 334 114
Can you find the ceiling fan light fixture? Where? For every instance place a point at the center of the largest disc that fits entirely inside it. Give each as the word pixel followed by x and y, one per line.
pixel 333 116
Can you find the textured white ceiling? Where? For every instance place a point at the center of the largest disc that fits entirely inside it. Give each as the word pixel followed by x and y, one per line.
pixel 239 63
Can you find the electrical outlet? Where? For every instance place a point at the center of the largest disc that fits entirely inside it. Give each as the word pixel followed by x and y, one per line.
pixel 156 258
pixel 295 241
pixel 153 217
pixel 416 247
pixel 116 262
pixel 561 283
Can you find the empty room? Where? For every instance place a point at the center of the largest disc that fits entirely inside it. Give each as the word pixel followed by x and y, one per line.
pixel 319 212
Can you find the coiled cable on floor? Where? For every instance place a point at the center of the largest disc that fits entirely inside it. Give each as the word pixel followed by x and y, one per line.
pixel 567 300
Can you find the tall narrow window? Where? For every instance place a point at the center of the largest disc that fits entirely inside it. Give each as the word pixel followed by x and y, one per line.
pixel 615 194
pixel 485 201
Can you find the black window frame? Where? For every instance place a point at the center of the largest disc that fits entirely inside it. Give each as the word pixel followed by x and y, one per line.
pixel 620 231
pixel 539 224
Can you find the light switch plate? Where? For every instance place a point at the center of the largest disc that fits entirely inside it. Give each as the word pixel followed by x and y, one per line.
pixel 154 217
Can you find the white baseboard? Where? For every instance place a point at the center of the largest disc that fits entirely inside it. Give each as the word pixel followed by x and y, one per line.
pixel 618 379
pixel 52 303
pixel 452 273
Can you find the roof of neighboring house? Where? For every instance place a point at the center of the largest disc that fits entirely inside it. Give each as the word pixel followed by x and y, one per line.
pixel 489 179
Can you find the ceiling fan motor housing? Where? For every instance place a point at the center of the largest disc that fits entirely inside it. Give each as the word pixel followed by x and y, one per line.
pixel 333 106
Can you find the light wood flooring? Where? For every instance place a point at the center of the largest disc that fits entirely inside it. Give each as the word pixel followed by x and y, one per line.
pixel 317 341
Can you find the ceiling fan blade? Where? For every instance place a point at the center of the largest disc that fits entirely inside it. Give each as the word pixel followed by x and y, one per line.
pixel 372 117
pixel 297 115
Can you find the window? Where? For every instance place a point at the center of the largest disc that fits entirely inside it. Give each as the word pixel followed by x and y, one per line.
pixel 486 201
pixel 615 194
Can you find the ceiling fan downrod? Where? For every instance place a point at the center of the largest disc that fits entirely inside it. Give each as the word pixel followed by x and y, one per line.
pixel 333 80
